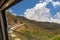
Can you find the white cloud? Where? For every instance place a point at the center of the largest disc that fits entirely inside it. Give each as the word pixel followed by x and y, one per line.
pixel 41 13
pixel 14 14
pixel 21 15
pixel 57 16
pixel 38 13
pixel 55 20
pixel 10 10
pixel 56 3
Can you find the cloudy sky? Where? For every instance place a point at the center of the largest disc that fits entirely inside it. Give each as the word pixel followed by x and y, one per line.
pixel 38 10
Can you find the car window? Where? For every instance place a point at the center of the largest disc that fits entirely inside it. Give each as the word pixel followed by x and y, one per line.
pixel 34 20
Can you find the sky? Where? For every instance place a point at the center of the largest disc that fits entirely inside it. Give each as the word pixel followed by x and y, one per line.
pixel 38 10
pixel 21 7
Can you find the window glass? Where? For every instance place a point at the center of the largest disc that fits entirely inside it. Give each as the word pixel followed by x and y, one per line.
pixel 34 20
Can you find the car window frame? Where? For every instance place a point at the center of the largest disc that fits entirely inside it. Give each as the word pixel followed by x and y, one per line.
pixel 4 27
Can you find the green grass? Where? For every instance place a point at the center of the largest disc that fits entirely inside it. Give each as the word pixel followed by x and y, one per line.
pixel 57 37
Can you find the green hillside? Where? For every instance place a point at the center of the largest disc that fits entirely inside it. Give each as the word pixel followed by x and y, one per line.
pixel 32 30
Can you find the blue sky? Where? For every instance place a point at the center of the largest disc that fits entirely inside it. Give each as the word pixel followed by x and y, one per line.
pixel 21 7
pixel 53 10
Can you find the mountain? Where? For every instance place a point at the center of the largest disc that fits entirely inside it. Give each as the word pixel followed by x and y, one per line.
pixel 32 30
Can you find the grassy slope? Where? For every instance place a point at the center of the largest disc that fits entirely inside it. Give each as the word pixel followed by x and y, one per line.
pixel 39 30
pixel 33 30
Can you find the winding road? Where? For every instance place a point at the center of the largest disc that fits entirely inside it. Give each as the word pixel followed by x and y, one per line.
pixel 16 26
pixel 11 33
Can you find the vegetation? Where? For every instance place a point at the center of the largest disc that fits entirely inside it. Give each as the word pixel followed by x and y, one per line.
pixel 33 30
pixel 57 37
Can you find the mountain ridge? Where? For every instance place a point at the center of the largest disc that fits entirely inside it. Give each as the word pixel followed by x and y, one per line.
pixel 33 30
